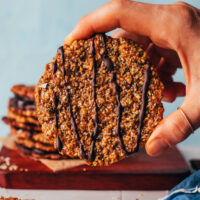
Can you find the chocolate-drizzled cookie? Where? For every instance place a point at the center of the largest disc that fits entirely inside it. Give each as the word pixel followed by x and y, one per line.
pixel 24 125
pixel 37 153
pixel 99 99
pixel 24 91
pixel 23 101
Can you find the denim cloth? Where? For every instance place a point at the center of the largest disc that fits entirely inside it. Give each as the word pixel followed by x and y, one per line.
pixel 188 189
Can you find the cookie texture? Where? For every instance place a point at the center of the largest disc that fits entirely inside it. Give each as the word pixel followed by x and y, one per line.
pixel 24 125
pixel 99 99
pixel 24 91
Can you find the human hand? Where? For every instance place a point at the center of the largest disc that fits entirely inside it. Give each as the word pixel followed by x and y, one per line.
pixel 174 31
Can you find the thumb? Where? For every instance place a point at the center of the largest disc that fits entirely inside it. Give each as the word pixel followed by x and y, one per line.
pixel 173 129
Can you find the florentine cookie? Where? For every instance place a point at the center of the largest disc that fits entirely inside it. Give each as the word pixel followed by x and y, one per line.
pixel 23 105
pixel 28 113
pixel 28 146
pixel 35 136
pixel 32 144
pixel 26 126
pixel 99 99
pixel 23 119
pixel 37 153
pixel 24 91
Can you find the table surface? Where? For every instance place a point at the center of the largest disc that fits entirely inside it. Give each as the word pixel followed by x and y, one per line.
pixel 188 153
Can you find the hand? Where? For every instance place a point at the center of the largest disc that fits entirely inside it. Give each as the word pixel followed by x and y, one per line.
pixel 171 34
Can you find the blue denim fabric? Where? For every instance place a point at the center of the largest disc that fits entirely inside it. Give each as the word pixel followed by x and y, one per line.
pixel 188 189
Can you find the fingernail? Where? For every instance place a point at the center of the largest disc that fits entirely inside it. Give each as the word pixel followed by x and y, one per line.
pixel 156 146
pixel 69 39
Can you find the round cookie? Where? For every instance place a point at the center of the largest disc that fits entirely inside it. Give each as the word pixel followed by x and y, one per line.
pixel 27 113
pixel 35 136
pixel 37 153
pixel 27 126
pixel 24 91
pixel 99 99
pixel 32 144
pixel 23 119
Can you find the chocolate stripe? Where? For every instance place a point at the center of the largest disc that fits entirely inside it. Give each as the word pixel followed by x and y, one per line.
pixel 54 67
pixel 147 76
pixel 109 65
pixel 59 144
pixel 60 51
pixel 55 101
pixel 91 155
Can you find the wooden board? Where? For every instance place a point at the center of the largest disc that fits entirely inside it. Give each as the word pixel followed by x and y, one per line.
pixel 138 172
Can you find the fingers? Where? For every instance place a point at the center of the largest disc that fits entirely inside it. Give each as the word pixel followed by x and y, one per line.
pixel 101 20
pixel 172 130
pixel 140 18
pixel 173 90
pixel 143 40
pixel 164 67
pixel 170 55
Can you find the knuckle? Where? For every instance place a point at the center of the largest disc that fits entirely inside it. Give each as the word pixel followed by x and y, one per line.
pixel 119 4
pixel 82 22
pixel 181 3
pixel 187 14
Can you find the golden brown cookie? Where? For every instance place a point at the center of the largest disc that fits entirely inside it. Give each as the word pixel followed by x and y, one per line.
pixel 37 153
pixel 35 136
pixel 26 126
pixel 24 91
pixel 23 119
pixel 18 111
pixel 32 144
pixel 99 99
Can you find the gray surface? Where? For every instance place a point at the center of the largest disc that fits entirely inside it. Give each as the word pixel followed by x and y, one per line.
pixel 30 33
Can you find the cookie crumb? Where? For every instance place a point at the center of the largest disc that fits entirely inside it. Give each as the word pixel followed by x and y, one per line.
pixel 84 169
pixel 5 164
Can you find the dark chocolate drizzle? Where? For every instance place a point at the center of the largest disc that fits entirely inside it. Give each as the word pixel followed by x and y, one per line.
pixel 55 101
pixel 109 65
pixel 73 124
pixel 91 155
pixel 22 103
pixel 30 134
pixel 54 67
pixel 60 51
pixel 147 76
pixel 59 144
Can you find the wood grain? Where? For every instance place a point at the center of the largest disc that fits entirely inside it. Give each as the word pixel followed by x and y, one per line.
pixel 138 172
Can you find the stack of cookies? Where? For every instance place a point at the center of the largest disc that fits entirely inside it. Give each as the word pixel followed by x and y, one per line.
pixel 24 126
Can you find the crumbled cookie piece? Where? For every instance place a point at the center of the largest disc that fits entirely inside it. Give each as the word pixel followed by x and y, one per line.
pixel 5 164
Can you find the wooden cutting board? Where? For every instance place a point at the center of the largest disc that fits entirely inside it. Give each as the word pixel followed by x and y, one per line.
pixel 138 172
